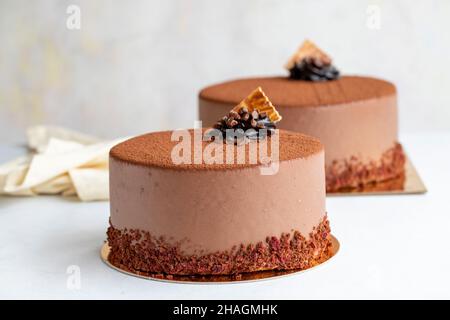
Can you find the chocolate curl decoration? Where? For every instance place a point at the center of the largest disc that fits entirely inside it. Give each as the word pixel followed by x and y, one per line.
pixel 310 63
pixel 253 118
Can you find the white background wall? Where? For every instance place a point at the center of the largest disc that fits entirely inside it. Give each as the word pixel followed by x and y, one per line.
pixel 137 66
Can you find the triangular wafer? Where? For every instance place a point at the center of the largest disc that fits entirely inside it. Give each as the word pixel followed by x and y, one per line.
pixel 308 49
pixel 257 100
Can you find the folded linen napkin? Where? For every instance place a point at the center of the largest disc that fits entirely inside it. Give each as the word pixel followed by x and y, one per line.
pixel 65 162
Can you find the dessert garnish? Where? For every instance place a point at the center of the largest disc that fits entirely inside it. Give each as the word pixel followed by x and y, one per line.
pixel 311 64
pixel 253 117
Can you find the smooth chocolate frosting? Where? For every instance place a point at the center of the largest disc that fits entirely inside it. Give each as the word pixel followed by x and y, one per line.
pixel 214 210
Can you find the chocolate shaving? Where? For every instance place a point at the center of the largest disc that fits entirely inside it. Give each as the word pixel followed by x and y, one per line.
pixel 245 124
pixel 313 69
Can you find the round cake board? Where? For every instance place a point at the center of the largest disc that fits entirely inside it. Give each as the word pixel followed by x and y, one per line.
pixel 217 279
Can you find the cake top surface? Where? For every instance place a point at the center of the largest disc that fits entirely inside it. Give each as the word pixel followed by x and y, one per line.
pixel 155 150
pixel 285 92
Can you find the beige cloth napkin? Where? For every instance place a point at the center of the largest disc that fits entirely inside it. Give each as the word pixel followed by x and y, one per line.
pixel 65 162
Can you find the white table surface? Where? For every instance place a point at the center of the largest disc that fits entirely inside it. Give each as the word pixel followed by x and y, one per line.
pixel 391 246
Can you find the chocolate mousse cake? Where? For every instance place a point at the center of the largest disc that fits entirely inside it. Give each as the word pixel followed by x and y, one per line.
pixel 354 117
pixel 203 217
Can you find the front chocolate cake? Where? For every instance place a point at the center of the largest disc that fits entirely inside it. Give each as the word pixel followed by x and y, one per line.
pixel 354 117
pixel 237 198
pixel 214 219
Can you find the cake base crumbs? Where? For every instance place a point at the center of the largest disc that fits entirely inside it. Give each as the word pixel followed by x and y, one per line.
pixel 141 253
pixel 346 175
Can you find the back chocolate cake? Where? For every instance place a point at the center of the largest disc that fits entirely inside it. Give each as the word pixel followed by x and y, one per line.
pixel 354 117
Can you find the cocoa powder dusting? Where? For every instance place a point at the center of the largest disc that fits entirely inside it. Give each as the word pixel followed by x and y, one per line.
pixel 285 92
pixel 154 149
